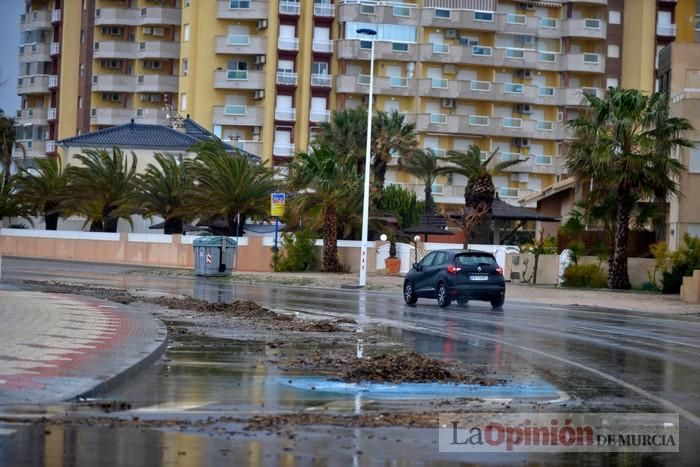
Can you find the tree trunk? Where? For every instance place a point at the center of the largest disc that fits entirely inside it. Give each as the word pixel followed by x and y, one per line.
pixel 234 228
pixel 534 271
pixel 330 240
pixel 96 226
pixel 172 226
pixel 618 278
pixel 428 198
pixel 110 225
pixel 51 221
pixel 483 233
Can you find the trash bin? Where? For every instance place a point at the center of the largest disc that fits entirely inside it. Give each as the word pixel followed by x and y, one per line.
pixel 214 256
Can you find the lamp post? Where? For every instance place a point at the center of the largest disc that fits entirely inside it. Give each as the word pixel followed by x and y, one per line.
pixel 365 203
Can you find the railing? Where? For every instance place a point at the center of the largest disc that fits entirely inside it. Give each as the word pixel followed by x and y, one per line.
pixel 238 39
pixel 479 120
pixel 543 160
pixel 511 156
pixel 666 29
pixel 238 75
pixel 53 81
pixel 508 192
pixel 548 23
pixel 398 82
pixel 545 91
pixel 438 83
pixel 56 16
pixel 290 8
pixel 363 80
pixel 50 145
pixel 513 88
pixel 322 45
pixel 321 80
pixel 512 123
pixel 545 125
pixel 591 23
pixel 55 48
pixel 591 59
pixel 512 18
pixel 288 43
pixel 439 152
pixel 481 51
pixel 548 57
pixel 287 115
pixel 283 149
pixel 325 10
pixel 438 118
pixel 318 116
pixel 480 86
pixel 287 78
pixel 235 109
pixel 441 48
pixel 51 114
pixel 515 53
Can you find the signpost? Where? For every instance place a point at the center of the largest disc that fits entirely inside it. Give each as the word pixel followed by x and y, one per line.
pixel 277 202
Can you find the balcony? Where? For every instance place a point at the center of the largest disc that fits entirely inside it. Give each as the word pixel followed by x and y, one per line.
pixel 51 114
pixel 239 79
pixel 53 81
pixel 32 116
pixel 157 83
pixel 238 115
pixel 56 16
pixel 152 116
pixel 241 45
pixel 466 19
pixel 50 146
pixel 36 52
pixel 319 115
pixel 666 30
pixel 289 8
pixel 111 117
pixel 286 78
pixel 323 46
pixel 321 80
pixel 588 28
pixel 251 146
pixel 35 84
pixel 227 9
pixel 117 17
pixel 159 49
pixel 32 148
pixel 114 83
pixel 40 19
pixel 160 15
pixel 378 13
pixel 55 49
pixel 482 125
pixel 573 97
pixel 354 49
pixel 285 115
pixel 584 62
pixel 324 10
pixel 288 43
pixel 115 49
pixel 511 23
pixel 283 150
pixel 359 84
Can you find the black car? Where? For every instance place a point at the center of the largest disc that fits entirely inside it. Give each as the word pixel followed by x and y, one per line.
pixel 460 275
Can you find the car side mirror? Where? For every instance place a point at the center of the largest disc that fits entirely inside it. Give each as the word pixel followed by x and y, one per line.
pixel 416 266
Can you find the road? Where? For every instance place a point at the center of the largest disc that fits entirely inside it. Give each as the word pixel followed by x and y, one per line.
pixel 608 361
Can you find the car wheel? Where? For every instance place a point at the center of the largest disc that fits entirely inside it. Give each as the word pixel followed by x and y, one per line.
pixel 409 294
pixel 498 302
pixel 462 301
pixel 443 297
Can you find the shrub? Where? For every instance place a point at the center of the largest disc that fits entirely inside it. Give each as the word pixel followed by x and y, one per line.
pixel 683 263
pixel 585 275
pixel 297 253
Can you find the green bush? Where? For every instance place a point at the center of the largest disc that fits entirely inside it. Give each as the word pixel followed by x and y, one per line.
pixel 585 275
pixel 297 253
pixel 683 263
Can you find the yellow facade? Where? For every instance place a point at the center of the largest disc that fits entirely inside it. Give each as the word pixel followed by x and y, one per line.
pixel 639 44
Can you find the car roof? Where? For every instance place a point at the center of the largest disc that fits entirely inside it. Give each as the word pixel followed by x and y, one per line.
pixel 455 252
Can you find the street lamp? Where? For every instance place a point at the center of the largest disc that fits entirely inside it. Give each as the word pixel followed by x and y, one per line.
pixel 365 203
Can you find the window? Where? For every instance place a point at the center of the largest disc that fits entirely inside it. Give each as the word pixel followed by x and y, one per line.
pixel 694 160
pixel 185 32
pixel 183 101
pixel 385 32
pixel 613 51
pixel 440 258
pixel 185 66
pixel 428 260
pixel 614 17
pixel 483 16
pixel 440 13
pixel 239 4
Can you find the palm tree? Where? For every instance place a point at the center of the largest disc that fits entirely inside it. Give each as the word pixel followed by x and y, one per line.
pixel 228 186
pixel 423 165
pixel 624 144
pixel 102 188
pixel 480 191
pixel 324 183
pixel 8 137
pixel 163 190
pixel 9 204
pixel 345 134
pixel 40 189
pixel 391 135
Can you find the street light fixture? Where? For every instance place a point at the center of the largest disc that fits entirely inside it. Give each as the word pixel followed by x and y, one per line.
pixel 365 203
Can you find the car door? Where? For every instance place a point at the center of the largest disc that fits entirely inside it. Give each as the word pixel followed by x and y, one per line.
pixel 421 284
pixel 434 271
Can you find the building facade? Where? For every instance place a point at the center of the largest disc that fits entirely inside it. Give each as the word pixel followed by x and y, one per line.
pixel 264 74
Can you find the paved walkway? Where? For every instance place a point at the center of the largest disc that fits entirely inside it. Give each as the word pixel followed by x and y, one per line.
pixel 54 347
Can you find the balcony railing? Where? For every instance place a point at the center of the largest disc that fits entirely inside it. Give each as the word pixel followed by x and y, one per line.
pixel 479 120
pixel 438 118
pixel 237 39
pixel 484 86
pixel 545 125
pixel 591 59
pixel 283 149
pixel 56 16
pixel 322 45
pixel 591 23
pixel 441 48
pixel 666 30
pixel 287 115
pixel 438 83
pixel 51 114
pixel 363 80
pixel 513 88
pixel 543 160
pixel 512 18
pixel 288 43
pixel 53 81
pixel 236 75
pixel 234 109
pixel 545 91
pixel 481 51
pixel 398 82
pixel 286 78
pixel 50 146
pixel 508 192
pixel 548 23
pixel 290 8
pixel 512 123
pixel 55 48
pixel 319 115
pixel 321 80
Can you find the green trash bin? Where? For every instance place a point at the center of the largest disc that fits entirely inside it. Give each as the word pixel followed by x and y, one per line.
pixel 214 256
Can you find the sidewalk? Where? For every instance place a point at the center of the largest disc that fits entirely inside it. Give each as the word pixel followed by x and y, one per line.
pixel 56 347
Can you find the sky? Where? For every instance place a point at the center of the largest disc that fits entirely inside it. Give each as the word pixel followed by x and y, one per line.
pixel 9 42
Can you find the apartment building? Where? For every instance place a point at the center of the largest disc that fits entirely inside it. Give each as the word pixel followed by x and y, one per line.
pixel 90 64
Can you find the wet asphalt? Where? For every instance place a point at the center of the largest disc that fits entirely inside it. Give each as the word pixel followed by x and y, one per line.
pixel 600 360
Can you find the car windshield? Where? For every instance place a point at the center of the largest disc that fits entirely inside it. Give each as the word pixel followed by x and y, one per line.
pixel 474 260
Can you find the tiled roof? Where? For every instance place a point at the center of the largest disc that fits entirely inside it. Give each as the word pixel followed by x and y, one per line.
pixel 142 136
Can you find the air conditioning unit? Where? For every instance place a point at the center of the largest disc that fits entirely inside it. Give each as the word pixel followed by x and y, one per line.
pixel 523 108
pixel 259 94
pixel 451 34
pixel 261 24
pixel 449 68
pixel 260 59
pixel 521 142
pixel 448 103
pixel 523 74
